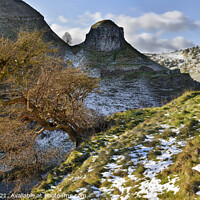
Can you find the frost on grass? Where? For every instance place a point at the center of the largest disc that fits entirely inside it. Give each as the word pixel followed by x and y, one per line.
pixel 119 94
pixel 54 140
pixel 121 170
pixel 197 168
pixel 151 187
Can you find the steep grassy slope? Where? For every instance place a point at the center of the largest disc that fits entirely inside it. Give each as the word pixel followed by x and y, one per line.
pixel 151 153
pixel 123 60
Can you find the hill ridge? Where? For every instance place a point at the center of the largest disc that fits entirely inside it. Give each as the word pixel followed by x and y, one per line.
pixel 16 15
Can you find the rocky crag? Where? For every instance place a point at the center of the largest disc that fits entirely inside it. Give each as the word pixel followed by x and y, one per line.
pixel 129 79
pixel 106 49
pixel 105 36
pixel 16 15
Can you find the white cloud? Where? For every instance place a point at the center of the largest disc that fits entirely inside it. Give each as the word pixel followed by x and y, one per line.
pixel 77 34
pixel 97 16
pixel 169 21
pixel 144 32
pixel 147 42
pixel 172 21
pixel 181 42
pixel 88 18
pixel 62 19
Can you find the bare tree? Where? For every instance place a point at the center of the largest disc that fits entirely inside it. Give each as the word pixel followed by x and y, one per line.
pixel 20 159
pixel 38 92
pixel 67 38
pixel 46 91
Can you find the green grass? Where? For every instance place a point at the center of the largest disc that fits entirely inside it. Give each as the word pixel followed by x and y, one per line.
pixel 189 178
pixel 86 164
pixel 117 59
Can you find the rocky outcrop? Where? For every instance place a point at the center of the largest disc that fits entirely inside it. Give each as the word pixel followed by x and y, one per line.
pixel 17 8
pixel 105 48
pixel 129 79
pixel 187 60
pixel 105 36
pixel 16 15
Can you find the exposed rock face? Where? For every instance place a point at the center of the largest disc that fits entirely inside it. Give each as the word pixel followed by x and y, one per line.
pixel 16 8
pixel 105 36
pixel 105 48
pixel 16 15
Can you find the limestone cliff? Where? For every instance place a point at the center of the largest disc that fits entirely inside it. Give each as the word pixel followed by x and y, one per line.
pixel 128 78
pixel 105 36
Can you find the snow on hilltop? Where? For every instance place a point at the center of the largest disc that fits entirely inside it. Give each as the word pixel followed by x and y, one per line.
pixel 187 60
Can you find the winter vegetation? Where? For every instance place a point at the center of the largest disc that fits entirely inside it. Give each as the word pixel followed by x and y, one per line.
pixel 150 153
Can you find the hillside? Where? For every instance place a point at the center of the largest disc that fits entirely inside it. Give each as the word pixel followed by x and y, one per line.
pixel 106 49
pixel 186 60
pixel 150 153
pixel 145 153
pixel 129 79
pixel 16 15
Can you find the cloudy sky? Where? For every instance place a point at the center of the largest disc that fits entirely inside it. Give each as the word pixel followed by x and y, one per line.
pixel 149 25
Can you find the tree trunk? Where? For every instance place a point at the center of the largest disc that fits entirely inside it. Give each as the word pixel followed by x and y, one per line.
pixel 75 137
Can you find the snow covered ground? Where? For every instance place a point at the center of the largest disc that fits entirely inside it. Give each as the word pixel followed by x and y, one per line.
pixel 120 94
pixel 57 142
pixel 173 55
pixel 186 60
pixel 149 186
pixel 54 140
pixel 197 168
pixel 141 162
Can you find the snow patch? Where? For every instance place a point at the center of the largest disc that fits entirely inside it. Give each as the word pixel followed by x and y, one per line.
pixel 153 187
pixel 197 168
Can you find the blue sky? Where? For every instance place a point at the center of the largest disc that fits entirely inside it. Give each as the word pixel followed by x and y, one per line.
pixel 149 25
